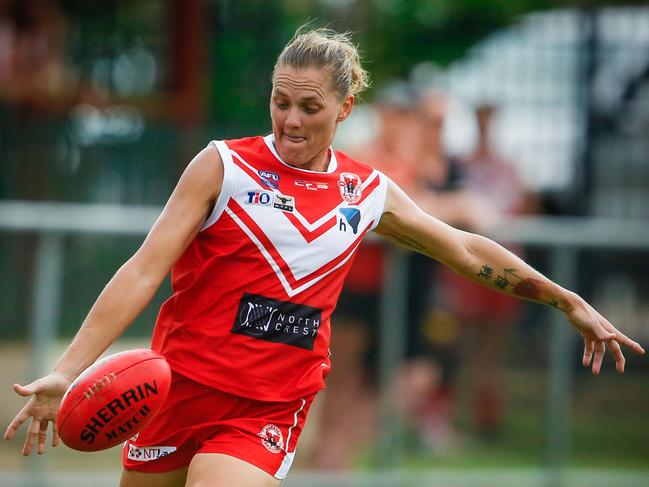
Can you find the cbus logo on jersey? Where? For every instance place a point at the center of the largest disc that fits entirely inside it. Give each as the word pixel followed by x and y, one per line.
pixel 277 321
pixel 350 187
pixel 311 185
pixel 269 179
pixel 352 216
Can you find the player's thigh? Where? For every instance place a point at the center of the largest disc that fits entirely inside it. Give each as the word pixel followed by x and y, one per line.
pixel 132 478
pixel 219 470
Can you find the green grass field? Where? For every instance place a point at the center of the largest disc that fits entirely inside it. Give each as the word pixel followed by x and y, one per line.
pixel 609 439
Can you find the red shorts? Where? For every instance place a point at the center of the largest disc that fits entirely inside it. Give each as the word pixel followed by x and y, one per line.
pixel 200 419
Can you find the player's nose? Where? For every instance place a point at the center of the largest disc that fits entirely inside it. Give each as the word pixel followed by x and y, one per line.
pixel 293 119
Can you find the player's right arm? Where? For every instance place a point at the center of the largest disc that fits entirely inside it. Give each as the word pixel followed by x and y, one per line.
pixel 126 294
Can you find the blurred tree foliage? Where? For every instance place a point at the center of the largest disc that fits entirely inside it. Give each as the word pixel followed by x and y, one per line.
pixel 393 35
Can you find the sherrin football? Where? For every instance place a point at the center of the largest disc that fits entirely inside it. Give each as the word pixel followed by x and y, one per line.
pixel 113 399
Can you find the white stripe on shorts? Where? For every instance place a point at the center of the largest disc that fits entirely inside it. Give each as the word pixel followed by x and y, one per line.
pixel 283 469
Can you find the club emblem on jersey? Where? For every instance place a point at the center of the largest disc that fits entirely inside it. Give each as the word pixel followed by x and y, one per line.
pixel 271 438
pixel 352 216
pixel 269 179
pixel 350 187
pixel 284 203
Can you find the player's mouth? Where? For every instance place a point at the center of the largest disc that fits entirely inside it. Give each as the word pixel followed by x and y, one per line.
pixel 294 139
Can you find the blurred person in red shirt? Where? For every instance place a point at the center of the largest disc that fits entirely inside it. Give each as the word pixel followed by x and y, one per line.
pixel 409 149
pixel 486 317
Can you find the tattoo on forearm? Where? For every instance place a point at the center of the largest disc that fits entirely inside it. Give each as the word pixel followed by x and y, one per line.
pixel 501 282
pixel 524 287
pixel 528 288
pixel 409 242
pixel 486 272
pixel 554 303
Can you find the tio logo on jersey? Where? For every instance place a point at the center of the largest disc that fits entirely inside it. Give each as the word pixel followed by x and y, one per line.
pixel 276 200
pixel 259 198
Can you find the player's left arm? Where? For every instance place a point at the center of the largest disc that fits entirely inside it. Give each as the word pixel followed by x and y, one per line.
pixel 482 260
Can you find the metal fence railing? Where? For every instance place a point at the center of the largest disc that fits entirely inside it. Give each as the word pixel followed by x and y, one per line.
pixel 51 222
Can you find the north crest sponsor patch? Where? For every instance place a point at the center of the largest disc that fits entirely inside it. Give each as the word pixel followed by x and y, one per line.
pixel 277 321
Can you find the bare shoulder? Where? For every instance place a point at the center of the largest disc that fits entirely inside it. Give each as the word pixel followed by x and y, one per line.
pixel 398 209
pixel 204 174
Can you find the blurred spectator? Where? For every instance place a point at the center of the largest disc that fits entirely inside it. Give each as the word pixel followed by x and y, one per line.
pixel 486 317
pixel 33 71
pixel 408 148
pixel 425 381
pixel 349 406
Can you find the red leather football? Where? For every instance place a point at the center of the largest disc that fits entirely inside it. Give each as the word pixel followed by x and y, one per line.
pixel 113 399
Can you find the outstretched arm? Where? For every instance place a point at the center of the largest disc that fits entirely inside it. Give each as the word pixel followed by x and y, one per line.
pixel 482 260
pixel 126 295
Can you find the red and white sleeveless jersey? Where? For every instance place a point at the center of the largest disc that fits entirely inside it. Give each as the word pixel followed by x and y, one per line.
pixel 254 292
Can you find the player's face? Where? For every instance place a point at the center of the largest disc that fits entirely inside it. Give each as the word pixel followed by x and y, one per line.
pixel 305 109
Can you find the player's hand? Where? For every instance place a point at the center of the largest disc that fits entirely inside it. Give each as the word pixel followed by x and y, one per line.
pixel 599 334
pixel 46 394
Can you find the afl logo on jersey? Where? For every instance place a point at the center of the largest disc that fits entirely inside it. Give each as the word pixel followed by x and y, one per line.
pixel 350 187
pixel 269 179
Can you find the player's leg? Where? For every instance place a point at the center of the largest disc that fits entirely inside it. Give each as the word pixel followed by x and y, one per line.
pixel 217 469
pixel 132 478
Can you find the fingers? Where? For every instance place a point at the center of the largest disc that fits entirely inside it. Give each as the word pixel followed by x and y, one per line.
pixel 42 436
pixel 32 434
pixel 17 422
pixel 604 335
pixel 55 435
pixel 25 391
pixel 634 346
pixel 600 348
pixel 620 337
pixel 616 351
pixel 589 348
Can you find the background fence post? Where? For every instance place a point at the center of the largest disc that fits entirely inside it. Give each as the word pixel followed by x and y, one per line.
pixel 562 339
pixel 391 352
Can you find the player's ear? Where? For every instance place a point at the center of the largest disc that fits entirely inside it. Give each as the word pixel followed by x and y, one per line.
pixel 346 108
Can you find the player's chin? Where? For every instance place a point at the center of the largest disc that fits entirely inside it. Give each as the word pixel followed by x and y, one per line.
pixel 295 156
